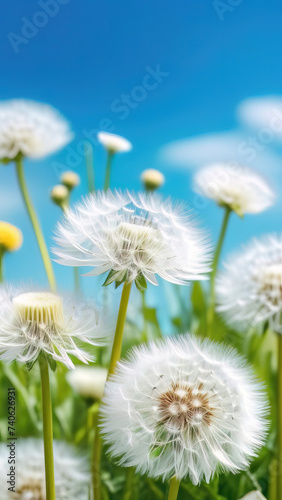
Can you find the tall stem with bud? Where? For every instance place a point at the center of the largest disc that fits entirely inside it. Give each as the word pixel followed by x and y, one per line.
pixel 108 170
pixel 115 356
pixel 47 429
pixel 210 315
pixel 35 223
pixel 88 151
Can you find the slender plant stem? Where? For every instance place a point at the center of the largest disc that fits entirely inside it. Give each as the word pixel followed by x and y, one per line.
pixel 76 281
pixel 215 265
pixel 279 419
pixel 115 356
pixel 96 461
pixel 2 253
pixel 173 489
pixel 35 223
pixel 129 493
pixel 116 350
pixel 47 430
pixel 108 170
pixel 272 482
pixel 143 298
pixel 88 151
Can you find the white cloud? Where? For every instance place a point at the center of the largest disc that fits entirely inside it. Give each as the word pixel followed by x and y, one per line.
pixel 198 150
pixel 233 146
pixel 263 115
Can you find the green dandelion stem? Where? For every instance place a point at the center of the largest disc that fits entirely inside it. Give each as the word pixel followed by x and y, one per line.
pixel 108 170
pixel 115 357
pixel 47 429
pixel 272 482
pixel 143 298
pixel 96 461
pixel 173 488
pixel 76 281
pixel 130 493
pixel 116 350
pixel 88 151
pixel 35 223
pixel 215 264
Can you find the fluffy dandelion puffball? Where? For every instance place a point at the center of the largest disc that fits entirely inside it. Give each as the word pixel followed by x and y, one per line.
pixel 88 381
pixel 253 296
pixel 152 179
pixel 182 408
pixel 11 237
pixel 71 472
pixel 133 237
pixel 114 143
pixel 35 322
pixel 31 129
pixel 235 187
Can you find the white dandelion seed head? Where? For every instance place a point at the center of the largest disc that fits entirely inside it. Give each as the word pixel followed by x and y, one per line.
pixel 152 179
pixel 72 475
pixel 114 143
pixel 133 235
pixel 234 186
pixel 31 128
pixel 41 322
pixel 183 407
pixel 253 296
pixel 88 381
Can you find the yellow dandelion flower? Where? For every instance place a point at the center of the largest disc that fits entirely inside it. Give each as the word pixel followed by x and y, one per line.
pixel 11 237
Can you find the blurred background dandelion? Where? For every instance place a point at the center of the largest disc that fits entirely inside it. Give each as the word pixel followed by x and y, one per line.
pixel 169 77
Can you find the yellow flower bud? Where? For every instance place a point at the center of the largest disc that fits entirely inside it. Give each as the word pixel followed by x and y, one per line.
pixel 59 195
pixel 70 179
pixel 152 179
pixel 11 237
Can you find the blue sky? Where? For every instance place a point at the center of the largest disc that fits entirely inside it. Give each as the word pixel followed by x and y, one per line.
pixel 89 56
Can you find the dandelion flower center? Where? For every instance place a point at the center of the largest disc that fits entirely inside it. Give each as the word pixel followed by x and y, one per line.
pixel 134 241
pixel 136 234
pixel 271 283
pixel 184 406
pixel 39 308
pixel 272 274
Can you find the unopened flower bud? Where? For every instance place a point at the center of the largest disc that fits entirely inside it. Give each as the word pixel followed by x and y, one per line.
pixel 70 179
pixel 60 195
pixel 89 382
pixel 152 179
